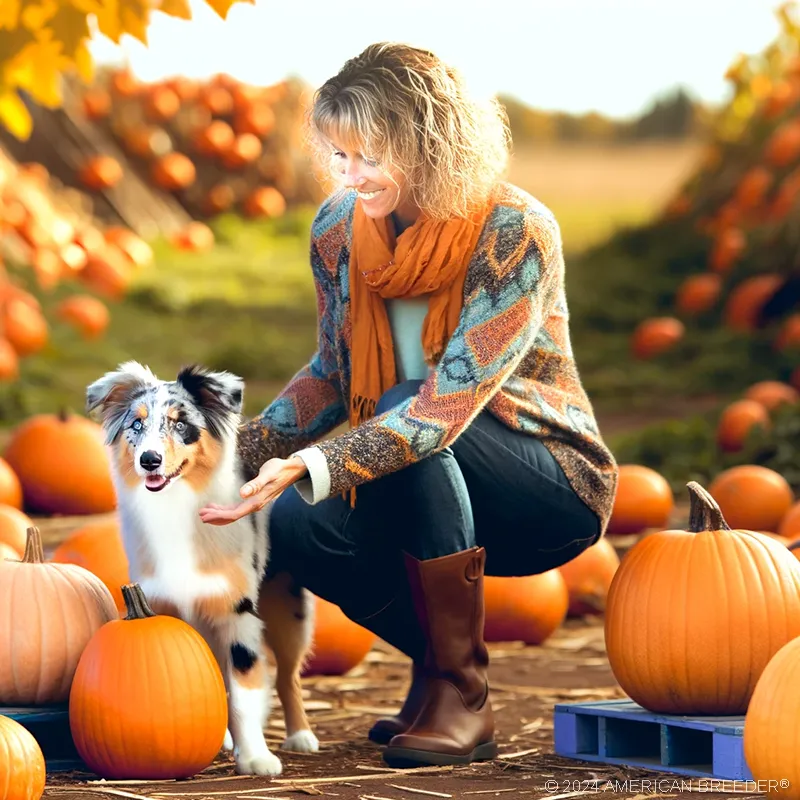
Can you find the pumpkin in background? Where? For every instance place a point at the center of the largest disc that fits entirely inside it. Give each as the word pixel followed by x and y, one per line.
pixel 752 497
pixel 736 421
pixel 589 577
pixel 148 698
pixel 14 526
pixel 98 548
pixel 772 394
pixel 655 336
pixel 745 302
pixel 698 293
pixel 10 487
pixel 88 315
pixel 339 643
pixel 62 464
pixel 7 552
pixel 693 616
pixel 789 525
pixel 527 609
pixel 772 723
pixel 48 614
pixel 22 767
pixel 644 500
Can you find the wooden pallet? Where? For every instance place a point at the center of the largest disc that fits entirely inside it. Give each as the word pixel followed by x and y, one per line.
pixel 49 725
pixel 622 732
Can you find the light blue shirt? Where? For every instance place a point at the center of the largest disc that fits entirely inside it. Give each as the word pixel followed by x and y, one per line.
pixel 405 319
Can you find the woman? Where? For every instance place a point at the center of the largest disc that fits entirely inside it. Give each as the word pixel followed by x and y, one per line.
pixel 444 341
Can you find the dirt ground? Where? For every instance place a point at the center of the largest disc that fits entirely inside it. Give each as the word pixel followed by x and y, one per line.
pixel 526 683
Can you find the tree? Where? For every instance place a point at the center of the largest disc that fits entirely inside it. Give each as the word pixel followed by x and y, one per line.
pixel 41 39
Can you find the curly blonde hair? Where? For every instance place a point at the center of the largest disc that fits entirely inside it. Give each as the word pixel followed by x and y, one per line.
pixel 404 108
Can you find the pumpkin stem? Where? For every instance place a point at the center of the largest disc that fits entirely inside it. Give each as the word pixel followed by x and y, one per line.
pixel 34 551
pixel 63 414
pixel 704 512
pixel 135 602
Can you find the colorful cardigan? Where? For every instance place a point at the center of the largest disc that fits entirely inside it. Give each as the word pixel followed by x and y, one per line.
pixel 511 354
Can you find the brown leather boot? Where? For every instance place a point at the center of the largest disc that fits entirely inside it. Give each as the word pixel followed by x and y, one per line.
pixel 387 727
pixel 455 724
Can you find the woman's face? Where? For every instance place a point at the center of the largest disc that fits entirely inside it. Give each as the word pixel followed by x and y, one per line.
pixel 380 191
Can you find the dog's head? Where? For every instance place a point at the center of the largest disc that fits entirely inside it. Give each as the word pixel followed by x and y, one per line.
pixel 163 431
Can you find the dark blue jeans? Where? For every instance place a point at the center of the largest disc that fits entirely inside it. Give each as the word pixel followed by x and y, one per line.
pixel 493 487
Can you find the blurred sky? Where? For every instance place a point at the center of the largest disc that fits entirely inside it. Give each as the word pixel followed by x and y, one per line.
pixel 613 56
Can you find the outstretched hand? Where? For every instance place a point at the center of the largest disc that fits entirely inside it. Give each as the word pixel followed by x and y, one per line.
pixel 274 476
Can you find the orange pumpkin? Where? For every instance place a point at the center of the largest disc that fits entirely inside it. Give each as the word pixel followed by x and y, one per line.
pixel 136 249
pixel 174 172
pixel 98 548
pixel 527 609
pixel 783 147
pixel 747 299
pixel 88 315
pixel 9 361
pixel 257 118
pixel 789 334
pixel 244 150
pixel 698 293
pixel 753 187
pixel 14 526
pixel 789 525
pixel 589 577
pixel 736 421
pixel 25 328
pixel 196 237
pixel 139 670
pixel 96 104
pixel 339 643
pixel 265 201
pixel 107 272
pixel 219 198
pixel 10 487
pixel 100 173
pixel 773 394
pixel 49 613
pixel 752 496
pixel 775 707
pixel 655 336
pixel 644 500
pixel 728 246
pixel 693 616
pixel 7 552
pixel 22 767
pixel 42 451
pixel 214 139
pixel 161 104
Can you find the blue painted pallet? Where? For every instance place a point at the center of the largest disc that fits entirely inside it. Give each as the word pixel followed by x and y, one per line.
pixel 49 725
pixel 622 732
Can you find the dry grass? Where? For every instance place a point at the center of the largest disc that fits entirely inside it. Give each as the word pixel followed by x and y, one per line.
pixel 594 189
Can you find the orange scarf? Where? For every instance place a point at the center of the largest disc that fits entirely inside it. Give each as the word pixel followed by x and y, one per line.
pixel 430 257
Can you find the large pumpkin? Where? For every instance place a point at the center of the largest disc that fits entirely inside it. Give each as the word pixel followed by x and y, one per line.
pixel 339 643
pixel 63 465
pixel 22 767
pixel 148 699
pixel 98 548
pixel 693 616
pixel 527 608
pixel 48 613
pixel 772 723
pixel 589 577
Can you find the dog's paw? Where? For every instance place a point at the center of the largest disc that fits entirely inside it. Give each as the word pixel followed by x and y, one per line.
pixel 227 742
pixel 265 763
pixel 301 742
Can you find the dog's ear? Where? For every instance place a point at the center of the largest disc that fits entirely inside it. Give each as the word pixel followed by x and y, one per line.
pixel 110 396
pixel 218 395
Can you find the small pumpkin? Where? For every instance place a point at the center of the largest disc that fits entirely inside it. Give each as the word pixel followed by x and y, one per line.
pixel 339 643
pixel 14 526
pixel 22 767
pixel 745 302
pixel 589 577
pixel 48 614
pixel 693 616
pixel 772 394
pixel 753 497
pixel 698 293
pixel 10 487
pixel 789 526
pixel 737 420
pixel 148 698
pixel 88 315
pixel 644 500
pixel 655 336
pixel 98 548
pixel 42 451
pixel 772 723
pixel 529 608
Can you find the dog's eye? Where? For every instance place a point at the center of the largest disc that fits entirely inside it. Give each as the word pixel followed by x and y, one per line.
pixel 137 425
pixel 180 426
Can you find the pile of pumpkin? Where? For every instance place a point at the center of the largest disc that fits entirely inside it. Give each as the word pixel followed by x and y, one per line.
pixel 706 621
pixel 218 145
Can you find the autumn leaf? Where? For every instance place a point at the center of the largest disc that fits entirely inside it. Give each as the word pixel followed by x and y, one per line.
pixel 84 63
pixel 38 70
pixel 9 14
pixel 222 7
pixel 35 15
pixel 70 27
pixel 176 8
pixel 14 115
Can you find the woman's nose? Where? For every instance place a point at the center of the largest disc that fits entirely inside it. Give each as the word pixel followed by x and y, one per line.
pixel 352 174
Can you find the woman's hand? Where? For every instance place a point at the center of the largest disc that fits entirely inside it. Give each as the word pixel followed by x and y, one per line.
pixel 274 476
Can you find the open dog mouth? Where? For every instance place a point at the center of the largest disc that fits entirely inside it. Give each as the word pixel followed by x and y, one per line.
pixel 155 483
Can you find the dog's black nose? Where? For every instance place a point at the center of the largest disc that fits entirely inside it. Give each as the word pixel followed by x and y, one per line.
pixel 150 460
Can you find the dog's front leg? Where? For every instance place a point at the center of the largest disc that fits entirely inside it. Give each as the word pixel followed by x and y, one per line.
pixel 250 697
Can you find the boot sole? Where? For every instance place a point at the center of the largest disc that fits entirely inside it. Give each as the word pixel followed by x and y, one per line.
pixel 403 757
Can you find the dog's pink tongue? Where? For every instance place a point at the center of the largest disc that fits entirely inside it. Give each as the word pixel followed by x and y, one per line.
pixel 155 482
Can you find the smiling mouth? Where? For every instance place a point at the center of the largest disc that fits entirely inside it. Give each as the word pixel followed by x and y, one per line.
pixel 155 483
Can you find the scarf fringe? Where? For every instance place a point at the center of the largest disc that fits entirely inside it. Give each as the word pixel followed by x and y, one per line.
pixel 361 408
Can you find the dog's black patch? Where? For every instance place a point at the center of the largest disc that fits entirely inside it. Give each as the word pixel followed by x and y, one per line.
pixel 191 433
pixel 245 606
pixel 242 657
pixel 217 395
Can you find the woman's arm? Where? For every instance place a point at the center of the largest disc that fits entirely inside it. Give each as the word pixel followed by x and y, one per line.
pixel 512 280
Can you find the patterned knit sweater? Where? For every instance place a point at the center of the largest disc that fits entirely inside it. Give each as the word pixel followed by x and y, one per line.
pixel 511 354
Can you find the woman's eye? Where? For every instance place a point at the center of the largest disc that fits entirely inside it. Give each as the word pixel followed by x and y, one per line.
pixel 180 426
pixel 370 162
pixel 137 425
